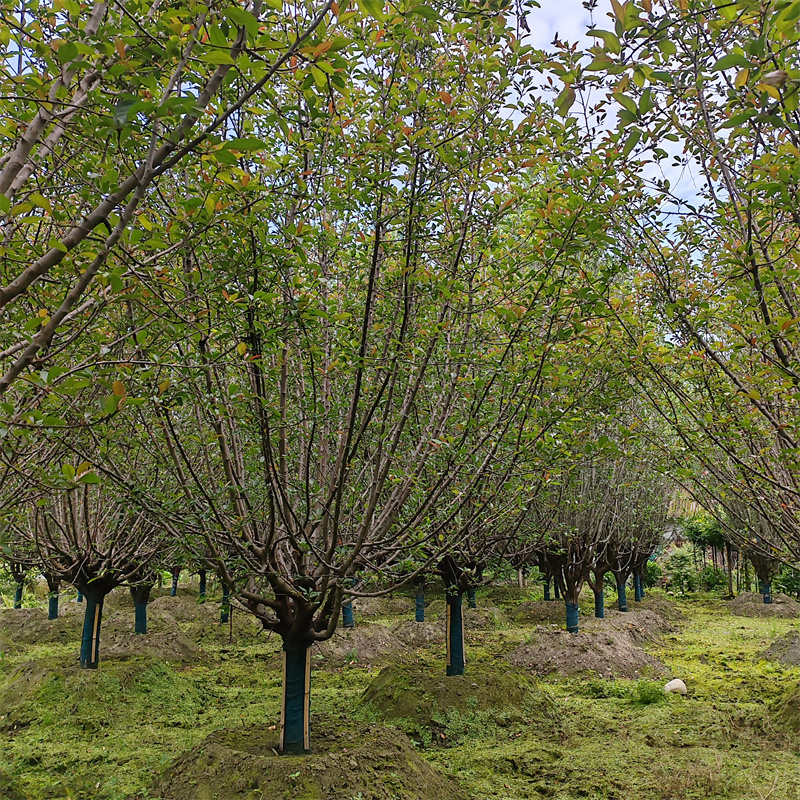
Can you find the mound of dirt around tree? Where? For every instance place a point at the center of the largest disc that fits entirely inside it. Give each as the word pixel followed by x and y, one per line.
pixel 610 654
pixel 539 611
pixel 365 644
pixel 185 608
pixel 641 624
pixel 348 761
pixel 475 619
pixel 785 650
pixel 378 607
pixel 30 626
pixel 663 606
pixel 787 710
pixel 163 640
pixel 418 634
pixel 423 703
pixel 749 604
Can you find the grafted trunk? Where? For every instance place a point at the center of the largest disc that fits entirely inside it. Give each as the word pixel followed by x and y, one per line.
pixel 18 596
pixel 546 587
pixel 638 588
pixel 455 635
pixel 599 605
pixel 141 597
pixel 348 620
pixel 54 587
pixel 472 600
pixel 201 594
pixel 419 600
pixel 295 710
pixel 766 590
pixel 225 609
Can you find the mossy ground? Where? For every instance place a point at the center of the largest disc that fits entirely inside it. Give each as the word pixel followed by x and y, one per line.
pixel 105 735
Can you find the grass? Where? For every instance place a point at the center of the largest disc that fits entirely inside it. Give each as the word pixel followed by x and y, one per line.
pixel 103 735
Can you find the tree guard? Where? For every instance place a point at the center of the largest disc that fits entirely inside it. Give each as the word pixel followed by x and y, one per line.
pixel 90 641
pixel 599 605
pixel 572 617
pixel 455 636
pixel 622 597
pixel 295 709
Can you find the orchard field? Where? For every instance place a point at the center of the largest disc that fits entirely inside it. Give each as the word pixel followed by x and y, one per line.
pixel 193 713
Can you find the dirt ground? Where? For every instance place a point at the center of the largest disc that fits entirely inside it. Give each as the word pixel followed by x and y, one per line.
pixel 610 653
pixel 364 644
pixel 785 650
pixel 351 761
pixel 749 604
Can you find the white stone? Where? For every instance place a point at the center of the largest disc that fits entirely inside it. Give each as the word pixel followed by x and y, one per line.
pixel 675 685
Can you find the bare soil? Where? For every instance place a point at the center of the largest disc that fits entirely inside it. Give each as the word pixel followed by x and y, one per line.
pixel 419 634
pixel 364 644
pixel 484 617
pixel 640 625
pixel 539 611
pixel 24 626
pixel 749 604
pixel 377 607
pixel 610 653
pixel 349 761
pixel 785 650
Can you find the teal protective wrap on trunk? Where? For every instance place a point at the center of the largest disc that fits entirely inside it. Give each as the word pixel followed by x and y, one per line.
pixel 201 595
pixel 455 636
pixel 174 591
pixel 638 589
pixel 766 590
pixel 623 598
pixel 419 606
pixel 18 596
pixel 472 601
pixel 140 611
pixel 225 610
pixel 547 588
pixel 295 734
pixel 572 617
pixel 79 598
pixel 90 641
pixel 348 621
pixel 599 605
pixel 52 606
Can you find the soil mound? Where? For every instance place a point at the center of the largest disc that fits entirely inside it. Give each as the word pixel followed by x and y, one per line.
pixel 785 650
pixel 423 704
pixel 185 608
pixel 662 606
pixel 475 619
pixel 610 654
pixel 749 604
pixel 539 611
pixel 383 607
pixel 163 639
pixel 787 710
pixel 418 634
pixel 358 761
pixel 365 644
pixel 640 625
pixel 31 626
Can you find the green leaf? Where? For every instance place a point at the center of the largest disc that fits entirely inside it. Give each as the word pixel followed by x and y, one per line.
pixel 246 144
pixel 121 111
pixel 67 52
pixel 5 204
pixel 731 60
pixel 374 8
pixel 425 11
pixel 628 103
pixel 218 57
pixel 243 19
pixel 610 40
pixel 631 142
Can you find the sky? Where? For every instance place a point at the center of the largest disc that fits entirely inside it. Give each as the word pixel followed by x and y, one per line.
pixel 568 18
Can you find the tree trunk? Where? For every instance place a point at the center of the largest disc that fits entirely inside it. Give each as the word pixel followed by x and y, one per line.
pixel 79 598
pixel 622 597
pixel 471 599
pixel 348 620
pixel 766 590
pixel 572 617
pixel 546 587
pixel 18 596
pixel 54 587
pixel 201 594
pixel 225 608
pixel 295 710
pixel 141 596
pixel 419 600
pixel 599 605
pixel 638 588
pixel 520 578
pixel 176 573
pixel 556 590
pixel 90 641
pixel 729 566
pixel 455 635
